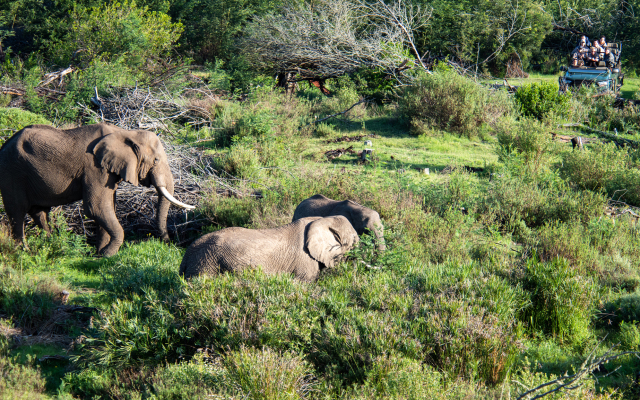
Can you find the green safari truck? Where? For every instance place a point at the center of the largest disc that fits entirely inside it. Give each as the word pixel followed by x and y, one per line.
pixel 607 78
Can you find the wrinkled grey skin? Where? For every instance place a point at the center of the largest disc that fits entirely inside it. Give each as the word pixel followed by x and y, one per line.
pixel 362 218
pixel 301 248
pixel 43 167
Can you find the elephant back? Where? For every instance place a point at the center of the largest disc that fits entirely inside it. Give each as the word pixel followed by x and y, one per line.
pixel 315 206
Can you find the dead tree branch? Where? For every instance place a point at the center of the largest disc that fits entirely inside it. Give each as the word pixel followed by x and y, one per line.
pixel 334 38
pixel 334 115
pixel 570 382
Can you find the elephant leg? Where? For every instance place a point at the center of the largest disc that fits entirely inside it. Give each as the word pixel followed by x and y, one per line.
pixel 40 216
pixel 102 210
pixel 16 221
pixel 103 239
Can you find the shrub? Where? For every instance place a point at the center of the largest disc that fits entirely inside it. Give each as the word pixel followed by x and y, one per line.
pixel 118 29
pixel 14 119
pixel 29 301
pixel 468 341
pixel 258 124
pixel 20 381
pixel 542 99
pixel 242 161
pixel 395 377
pixel 629 336
pixel 452 102
pixel 526 137
pixel 267 374
pixel 604 168
pixel 527 199
pixel 561 300
pixel 624 309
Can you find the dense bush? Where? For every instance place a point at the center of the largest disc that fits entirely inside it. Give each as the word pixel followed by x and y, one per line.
pixel 527 137
pixel 521 200
pixel 14 119
pixel 452 102
pixel 626 308
pixel 604 168
pixel 562 301
pixel 117 30
pixel 542 99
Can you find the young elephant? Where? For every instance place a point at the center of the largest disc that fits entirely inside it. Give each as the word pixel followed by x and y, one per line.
pixel 302 248
pixel 362 218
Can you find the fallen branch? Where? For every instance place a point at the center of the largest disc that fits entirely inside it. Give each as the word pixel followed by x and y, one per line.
pixel 331 154
pixel 52 76
pixel 333 115
pixel 570 382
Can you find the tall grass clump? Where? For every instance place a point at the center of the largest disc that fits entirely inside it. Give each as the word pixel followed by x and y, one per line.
pixel 562 301
pixel 542 99
pixel 527 138
pixel 452 102
pixel 604 168
pixel 266 374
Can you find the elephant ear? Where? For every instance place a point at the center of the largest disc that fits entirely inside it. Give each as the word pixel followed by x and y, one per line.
pixel 328 239
pixel 117 152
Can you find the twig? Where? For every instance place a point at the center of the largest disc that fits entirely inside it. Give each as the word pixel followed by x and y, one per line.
pixel 570 382
pixel 334 115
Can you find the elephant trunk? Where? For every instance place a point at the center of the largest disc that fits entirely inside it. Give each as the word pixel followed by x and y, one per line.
pixel 380 240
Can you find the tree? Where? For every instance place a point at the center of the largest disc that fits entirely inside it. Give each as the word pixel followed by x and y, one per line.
pixel 115 30
pixel 479 33
pixel 327 39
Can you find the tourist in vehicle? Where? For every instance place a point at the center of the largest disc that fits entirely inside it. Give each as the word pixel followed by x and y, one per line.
pixel 584 41
pixel 601 44
pixel 593 58
pixel 579 53
pixel 609 58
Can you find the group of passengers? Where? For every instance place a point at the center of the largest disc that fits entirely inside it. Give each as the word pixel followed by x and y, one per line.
pixel 590 56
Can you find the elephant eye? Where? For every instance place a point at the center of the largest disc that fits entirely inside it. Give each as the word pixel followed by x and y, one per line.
pixel 155 161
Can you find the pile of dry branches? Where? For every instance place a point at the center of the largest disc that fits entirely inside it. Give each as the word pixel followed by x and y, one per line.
pixel 136 206
pixel 157 108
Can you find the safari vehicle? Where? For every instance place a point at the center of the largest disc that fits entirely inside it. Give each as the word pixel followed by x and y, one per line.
pixel 605 78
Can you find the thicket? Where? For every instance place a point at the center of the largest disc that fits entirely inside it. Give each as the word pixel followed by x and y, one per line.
pixel 449 101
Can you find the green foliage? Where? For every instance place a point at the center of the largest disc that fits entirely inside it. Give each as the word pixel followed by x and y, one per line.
pixel 242 161
pixel 259 125
pixel 29 301
pixel 20 381
pixel 14 119
pixel 474 28
pixel 266 374
pixel 626 308
pixel 604 168
pixel 451 102
pixel 521 199
pixel 526 137
pixel 562 301
pixel 117 30
pixel 629 336
pixel 542 100
pixel 213 25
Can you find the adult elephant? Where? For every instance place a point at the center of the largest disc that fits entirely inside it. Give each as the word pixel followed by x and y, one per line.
pixel 42 167
pixel 301 248
pixel 362 218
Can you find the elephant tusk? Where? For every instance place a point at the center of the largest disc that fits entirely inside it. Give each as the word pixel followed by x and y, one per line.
pixel 173 200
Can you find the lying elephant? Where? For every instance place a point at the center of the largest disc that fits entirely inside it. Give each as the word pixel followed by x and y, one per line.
pixel 302 248
pixel 42 167
pixel 362 218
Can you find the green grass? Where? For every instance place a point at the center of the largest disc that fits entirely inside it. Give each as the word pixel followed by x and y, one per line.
pixel 493 282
